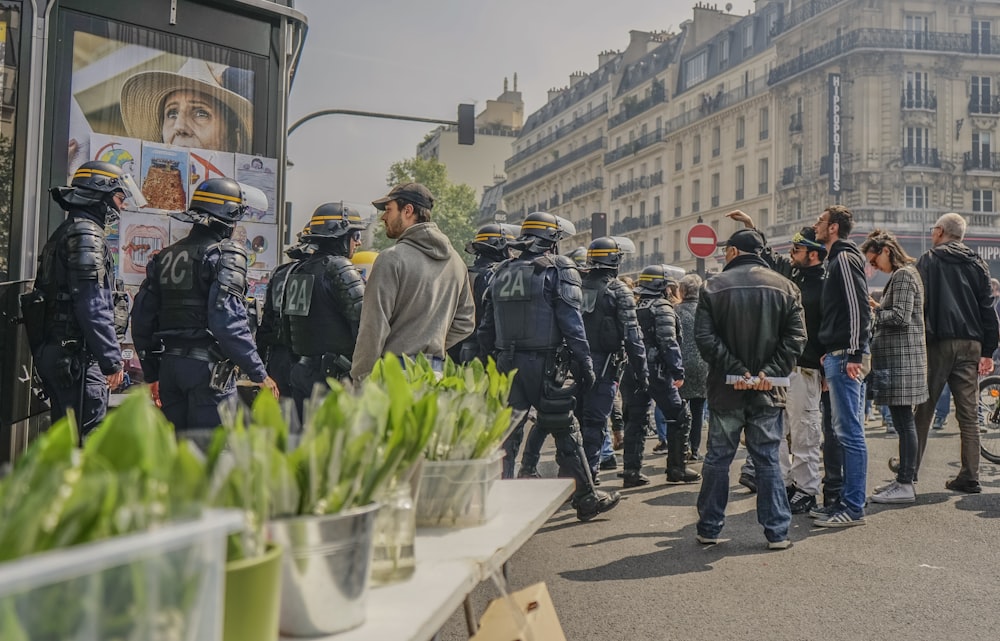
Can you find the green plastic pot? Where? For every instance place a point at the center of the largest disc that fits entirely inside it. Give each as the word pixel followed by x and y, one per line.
pixel 253 597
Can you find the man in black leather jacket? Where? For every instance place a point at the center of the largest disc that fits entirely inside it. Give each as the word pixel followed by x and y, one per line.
pixel 757 351
pixel 961 326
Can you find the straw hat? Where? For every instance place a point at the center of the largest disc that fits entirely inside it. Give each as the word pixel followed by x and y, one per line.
pixel 143 95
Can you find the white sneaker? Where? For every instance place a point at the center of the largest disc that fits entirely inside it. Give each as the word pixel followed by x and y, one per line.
pixel 882 488
pixel 896 493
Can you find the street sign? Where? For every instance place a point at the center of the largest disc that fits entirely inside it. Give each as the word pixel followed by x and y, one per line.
pixel 701 240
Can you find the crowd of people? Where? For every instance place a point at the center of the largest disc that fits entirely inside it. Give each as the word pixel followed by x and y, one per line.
pixel 592 350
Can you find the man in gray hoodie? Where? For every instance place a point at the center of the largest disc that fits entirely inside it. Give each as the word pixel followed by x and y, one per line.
pixel 417 299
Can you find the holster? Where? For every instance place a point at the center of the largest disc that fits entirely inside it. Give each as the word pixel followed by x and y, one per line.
pixel 335 365
pixel 223 376
pixel 33 317
pixel 69 369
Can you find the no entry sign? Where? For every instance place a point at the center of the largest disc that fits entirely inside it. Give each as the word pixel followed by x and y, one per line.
pixel 701 240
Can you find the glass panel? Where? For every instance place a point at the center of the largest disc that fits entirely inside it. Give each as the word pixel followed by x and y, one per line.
pixel 10 27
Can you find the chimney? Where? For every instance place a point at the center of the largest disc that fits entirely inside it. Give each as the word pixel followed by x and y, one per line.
pixel 576 77
pixel 554 93
pixel 605 57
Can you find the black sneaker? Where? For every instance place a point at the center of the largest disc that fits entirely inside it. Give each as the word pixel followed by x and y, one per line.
pixel 528 473
pixel 801 502
pixel 958 484
pixel 634 479
pixel 597 502
pixel 748 482
pixel 610 463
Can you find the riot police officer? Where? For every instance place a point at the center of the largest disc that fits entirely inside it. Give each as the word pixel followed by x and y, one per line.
pixel 490 248
pixel 189 322
pixel 613 333
pixel 70 315
pixel 273 336
pixel 579 257
pixel 662 335
pixel 323 300
pixel 532 318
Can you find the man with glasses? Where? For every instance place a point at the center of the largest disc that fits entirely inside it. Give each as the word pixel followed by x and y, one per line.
pixel 961 328
pixel 803 413
pixel 844 334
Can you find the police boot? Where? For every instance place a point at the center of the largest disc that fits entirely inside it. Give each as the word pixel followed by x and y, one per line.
pixel 634 478
pixel 596 502
pixel 528 472
pixel 677 469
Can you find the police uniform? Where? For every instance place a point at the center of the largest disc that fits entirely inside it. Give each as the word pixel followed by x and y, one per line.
pixel 531 315
pixel 189 321
pixel 613 332
pixel 71 316
pixel 322 301
pixel 489 246
pixel 661 333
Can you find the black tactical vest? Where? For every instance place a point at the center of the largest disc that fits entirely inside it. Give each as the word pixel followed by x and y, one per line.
pixel 180 272
pixel 646 315
pixel 600 314
pixel 524 319
pixel 317 325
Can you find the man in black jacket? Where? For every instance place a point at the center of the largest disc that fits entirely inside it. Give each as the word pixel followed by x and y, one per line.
pixel 755 352
pixel 844 333
pixel 804 417
pixel 961 327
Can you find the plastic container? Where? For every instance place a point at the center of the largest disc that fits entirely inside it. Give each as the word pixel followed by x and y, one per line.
pixel 166 583
pixel 455 494
pixel 326 570
pixel 393 558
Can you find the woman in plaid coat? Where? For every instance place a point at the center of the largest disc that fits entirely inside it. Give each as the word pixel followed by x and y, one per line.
pixel 899 354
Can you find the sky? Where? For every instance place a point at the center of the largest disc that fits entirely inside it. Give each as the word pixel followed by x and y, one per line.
pixel 423 58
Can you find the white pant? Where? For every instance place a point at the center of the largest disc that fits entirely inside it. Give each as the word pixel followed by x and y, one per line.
pixel 804 423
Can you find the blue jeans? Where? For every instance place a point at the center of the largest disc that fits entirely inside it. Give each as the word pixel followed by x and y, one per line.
pixel 661 424
pixel 846 405
pixel 943 407
pixel 833 456
pixel 763 434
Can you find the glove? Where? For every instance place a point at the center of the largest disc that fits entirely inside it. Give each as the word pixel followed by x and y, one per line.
pixel 587 379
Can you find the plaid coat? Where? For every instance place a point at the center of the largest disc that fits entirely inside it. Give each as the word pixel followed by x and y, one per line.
pixel 898 343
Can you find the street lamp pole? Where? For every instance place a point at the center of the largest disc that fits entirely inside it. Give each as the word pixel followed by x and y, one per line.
pixel 367 114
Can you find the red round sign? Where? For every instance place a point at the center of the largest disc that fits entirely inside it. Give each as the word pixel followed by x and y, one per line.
pixel 701 240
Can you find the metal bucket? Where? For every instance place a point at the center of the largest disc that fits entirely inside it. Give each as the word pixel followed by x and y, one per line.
pixel 326 570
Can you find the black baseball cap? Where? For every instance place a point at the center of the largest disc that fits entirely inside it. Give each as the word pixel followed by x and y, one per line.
pixel 745 240
pixel 414 193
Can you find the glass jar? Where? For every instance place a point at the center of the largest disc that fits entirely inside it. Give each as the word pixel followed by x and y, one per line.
pixel 393 558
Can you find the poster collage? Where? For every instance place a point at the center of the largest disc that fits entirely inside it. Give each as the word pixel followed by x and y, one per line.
pixel 167 176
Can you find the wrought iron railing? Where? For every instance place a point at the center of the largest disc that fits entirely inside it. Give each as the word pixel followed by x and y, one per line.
pixel 583 188
pixel 634 146
pixel 633 109
pixel 921 157
pixel 558 134
pixel 578 153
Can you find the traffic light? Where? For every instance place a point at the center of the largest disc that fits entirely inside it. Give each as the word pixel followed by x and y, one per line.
pixel 598 225
pixel 466 124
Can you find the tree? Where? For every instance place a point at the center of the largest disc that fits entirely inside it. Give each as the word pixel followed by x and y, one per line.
pixel 455 206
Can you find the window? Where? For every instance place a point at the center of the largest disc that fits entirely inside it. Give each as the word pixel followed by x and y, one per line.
pixel 696 69
pixel 695 196
pixel 981 150
pixel 740 179
pixel 916 145
pixel 916 28
pixel 724 52
pixel 696 150
pixel 656 204
pixel 716 142
pixel 798 161
pixel 916 197
pixel 981 36
pixel 982 200
pixel 765 118
pixel 748 35
pixel 762 179
pixel 741 130
pixel 678 157
pixel 979 102
pixel 715 190
pixel 915 94
pixel 677 201
pixel 642 208
pixel 656 245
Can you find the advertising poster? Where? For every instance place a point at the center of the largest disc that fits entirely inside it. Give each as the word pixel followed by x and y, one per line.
pixel 206 163
pixel 118 150
pixel 142 237
pixel 164 179
pixel 259 240
pixel 259 172
pixel 257 284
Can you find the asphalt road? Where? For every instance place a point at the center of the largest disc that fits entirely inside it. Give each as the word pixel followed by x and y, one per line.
pixel 929 570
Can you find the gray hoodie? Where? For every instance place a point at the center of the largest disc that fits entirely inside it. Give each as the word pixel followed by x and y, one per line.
pixel 417 300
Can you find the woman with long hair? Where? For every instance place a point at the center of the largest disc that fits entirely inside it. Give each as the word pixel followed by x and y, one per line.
pixel 899 354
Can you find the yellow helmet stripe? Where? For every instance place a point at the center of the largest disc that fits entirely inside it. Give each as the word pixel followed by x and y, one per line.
pixel 601 252
pixel 220 197
pixel 647 277
pixel 349 217
pixel 88 172
pixel 538 225
pixel 206 199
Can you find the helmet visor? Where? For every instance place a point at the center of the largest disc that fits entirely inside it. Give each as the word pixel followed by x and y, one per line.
pixel 252 197
pixel 625 245
pixel 132 192
pixel 565 226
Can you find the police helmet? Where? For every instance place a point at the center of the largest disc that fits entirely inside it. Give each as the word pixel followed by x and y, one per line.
pixel 94 182
pixel 220 199
pixel 333 220
pixel 540 231
pixel 579 256
pixel 491 240
pixel 607 252
pixel 655 279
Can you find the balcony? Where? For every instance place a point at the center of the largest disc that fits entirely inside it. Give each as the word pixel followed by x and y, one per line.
pixel 925 100
pixel 635 223
pixel 634 147
pixel 975 160
pixel 580 152
pixel 917 157
pixel 861 39
pixel 677 211
pixel 594 184
pixel 788 174
pixel 562 132
pixel 630 110
pixel 805 12
pixel 740 142
pixel 696 159
pixel 762 188
pixel 715 201
pixel 635 184
pixel 795 124
pixel 987 105
pixel 695 206
pixel 677 255
pixel 739 194
pixel 716 151
pixel 679 165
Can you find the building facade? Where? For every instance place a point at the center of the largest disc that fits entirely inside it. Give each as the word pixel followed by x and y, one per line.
pixel 886 107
